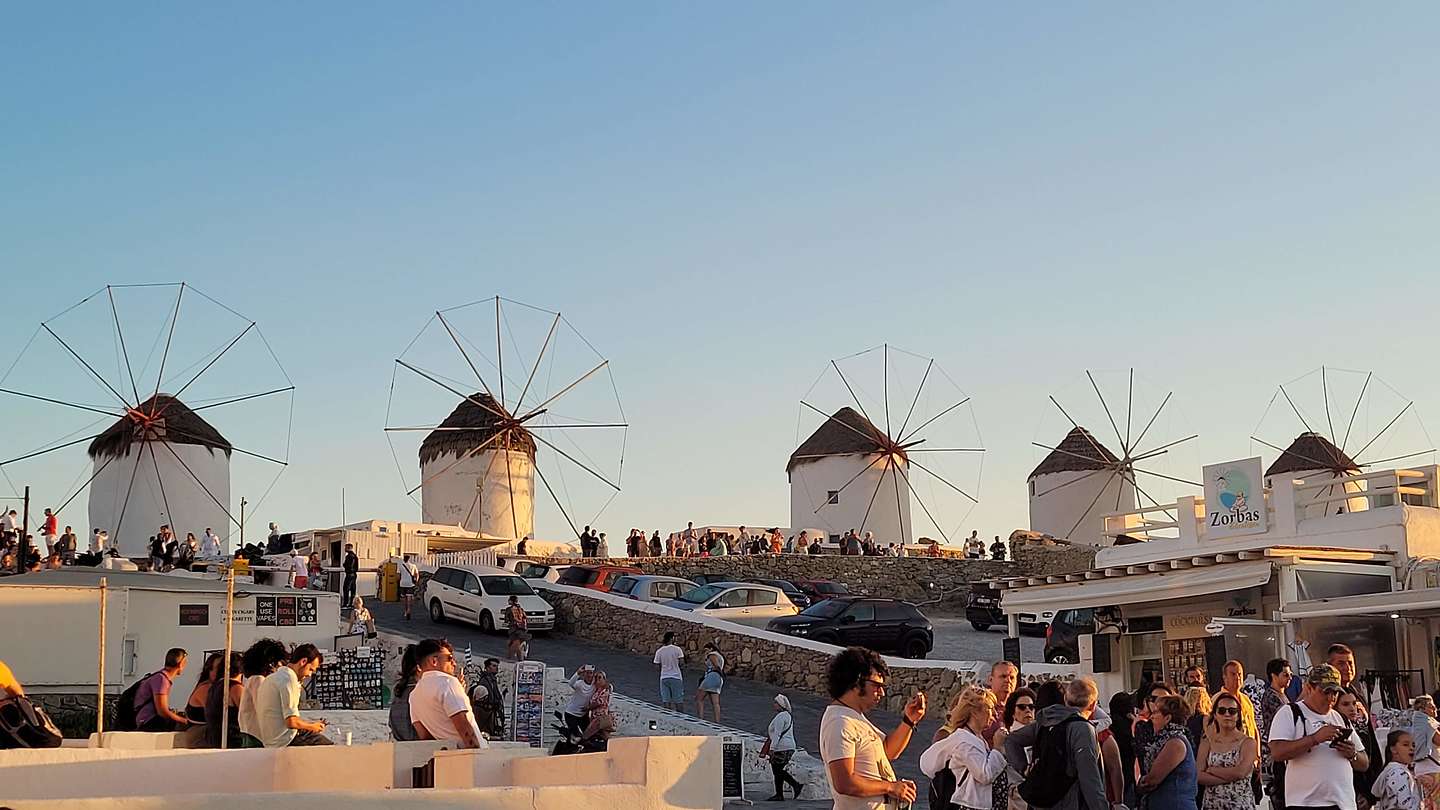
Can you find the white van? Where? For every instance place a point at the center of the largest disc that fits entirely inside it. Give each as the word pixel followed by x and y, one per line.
pixel 479 594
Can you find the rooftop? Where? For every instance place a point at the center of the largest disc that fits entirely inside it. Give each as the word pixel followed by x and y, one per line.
pixel 1079 451
pixel 81 577
pixel 846 433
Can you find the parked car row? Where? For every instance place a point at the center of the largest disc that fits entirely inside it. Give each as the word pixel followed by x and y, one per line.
pixel 815 609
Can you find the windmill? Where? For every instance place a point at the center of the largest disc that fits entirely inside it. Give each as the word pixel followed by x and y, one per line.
pixel 894 427
pixel 1343 421
pixel 533 399
pixel 1082 479
pixel 157 455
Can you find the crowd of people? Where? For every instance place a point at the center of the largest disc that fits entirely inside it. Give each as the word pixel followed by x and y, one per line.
pixel 1306 742
pixel 694 542
pixel 53 548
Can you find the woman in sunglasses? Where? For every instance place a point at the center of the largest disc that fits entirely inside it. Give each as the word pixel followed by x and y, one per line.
pixel 1227 757
pixel 1019 712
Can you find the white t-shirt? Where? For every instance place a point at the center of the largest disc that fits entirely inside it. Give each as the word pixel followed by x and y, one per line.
pixel 669 658
pixel 1321 776
pixel 782 732
pixel 846 733
pixel 437 697
pixel 407 577
pixel 277 699
pixel 580 698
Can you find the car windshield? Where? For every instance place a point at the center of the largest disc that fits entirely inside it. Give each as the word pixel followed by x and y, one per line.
pixel 701 595
pixel 831 587
pixel 505 586
pixel 575 575
pixel 828 609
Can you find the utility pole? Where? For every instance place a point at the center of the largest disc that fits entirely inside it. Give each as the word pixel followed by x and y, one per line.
pixel 24 535
pixel 242 523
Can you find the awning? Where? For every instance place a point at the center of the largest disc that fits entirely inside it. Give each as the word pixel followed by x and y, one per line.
pixel 1425 601
pixel 1158 586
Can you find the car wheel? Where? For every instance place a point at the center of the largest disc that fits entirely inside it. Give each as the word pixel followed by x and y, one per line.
pixel 487 622
pixel 1058 658
pixel 437 613
pixel 915 647
pixel 981 626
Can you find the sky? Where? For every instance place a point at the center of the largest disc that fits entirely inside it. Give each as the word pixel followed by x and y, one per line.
pixel 724 197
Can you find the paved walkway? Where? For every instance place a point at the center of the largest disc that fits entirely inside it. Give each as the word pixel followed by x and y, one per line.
pixel 744 704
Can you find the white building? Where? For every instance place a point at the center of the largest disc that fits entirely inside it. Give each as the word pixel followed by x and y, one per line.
pixel 1074 487
pixel 160 464
pixel 1184 592
pixel 478 472
pixel 839 480
pixel 146 615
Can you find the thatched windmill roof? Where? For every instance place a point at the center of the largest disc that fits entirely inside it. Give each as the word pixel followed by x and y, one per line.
pixel 1079 452
pixel 482 421
pixel 1311 451
pixel 174 423
pixel 844 434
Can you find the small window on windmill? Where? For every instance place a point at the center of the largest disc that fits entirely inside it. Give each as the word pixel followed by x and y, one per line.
pixel 833 496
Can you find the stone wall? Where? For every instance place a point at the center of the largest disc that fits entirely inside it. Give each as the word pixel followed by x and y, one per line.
pixel 913 579
pixel 785 661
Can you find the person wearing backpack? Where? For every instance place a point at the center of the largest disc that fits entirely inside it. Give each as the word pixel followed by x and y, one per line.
pixel 1066 772
pixel 972 764
pixel 152 699
pixel 1317 750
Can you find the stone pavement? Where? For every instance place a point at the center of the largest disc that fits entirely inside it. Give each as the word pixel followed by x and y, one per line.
pixel 744 704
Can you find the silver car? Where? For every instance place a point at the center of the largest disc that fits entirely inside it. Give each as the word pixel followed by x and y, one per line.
pixel 651 588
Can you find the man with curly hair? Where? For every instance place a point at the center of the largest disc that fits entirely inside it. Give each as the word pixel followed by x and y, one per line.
pixel 857 755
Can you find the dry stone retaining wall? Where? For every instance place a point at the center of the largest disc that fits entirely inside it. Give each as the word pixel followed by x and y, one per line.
pixel 785 661
pixel 913 579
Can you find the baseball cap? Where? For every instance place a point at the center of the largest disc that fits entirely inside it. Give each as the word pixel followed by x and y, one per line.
pixel 1324 676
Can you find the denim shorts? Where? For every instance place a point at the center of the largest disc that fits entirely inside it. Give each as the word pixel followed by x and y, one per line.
pixel 672 690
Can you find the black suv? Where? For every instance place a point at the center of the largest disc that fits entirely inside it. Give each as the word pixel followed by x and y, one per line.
pixel 1062 637
pixel 883 625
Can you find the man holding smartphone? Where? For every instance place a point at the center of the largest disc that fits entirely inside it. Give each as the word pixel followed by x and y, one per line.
pixel 857 755
pixel 1319 749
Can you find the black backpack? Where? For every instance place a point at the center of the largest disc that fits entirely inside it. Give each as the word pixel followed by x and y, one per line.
pixel 125 708
pixel 25 725
pixel 1051 775
pixel 943 787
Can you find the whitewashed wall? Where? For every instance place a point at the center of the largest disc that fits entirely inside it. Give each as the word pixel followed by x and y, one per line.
pixel 449 497
pixel 1054 511
pixel 190 509
pixel 811 482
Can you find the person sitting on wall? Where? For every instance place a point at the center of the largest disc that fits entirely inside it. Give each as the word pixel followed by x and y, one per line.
pixel 152 700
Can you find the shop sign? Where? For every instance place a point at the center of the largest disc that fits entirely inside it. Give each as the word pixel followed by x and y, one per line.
pixel 194 615
pixel 1234 498
pixel 1187 625
pixel 1214 628
pixel 1243 604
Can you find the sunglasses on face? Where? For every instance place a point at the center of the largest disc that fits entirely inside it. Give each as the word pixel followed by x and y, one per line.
pixel 1227 710
pixel 1024 707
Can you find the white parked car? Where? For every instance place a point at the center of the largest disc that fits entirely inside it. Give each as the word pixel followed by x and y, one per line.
pixel 534 570
pixel 479 594
pixel 651 588
pixel 739 602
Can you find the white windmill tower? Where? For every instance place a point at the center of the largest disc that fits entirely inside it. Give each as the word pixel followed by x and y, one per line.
pixel 548 411
pixel 155 459
pixel 1082 482
pixel 479 474
pixel 864 466
pixel 1347 421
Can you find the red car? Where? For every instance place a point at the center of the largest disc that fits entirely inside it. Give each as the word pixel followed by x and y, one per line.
pixel 821 589
pixel 594 577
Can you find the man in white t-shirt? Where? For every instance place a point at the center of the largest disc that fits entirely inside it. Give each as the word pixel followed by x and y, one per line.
pixel 857 755
pixel 409 576
pixel 439 708
pixel 672 680
pixel 1320 751
pixel 577 708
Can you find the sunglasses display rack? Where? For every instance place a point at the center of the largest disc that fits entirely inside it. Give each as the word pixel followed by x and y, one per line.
pixel 352 679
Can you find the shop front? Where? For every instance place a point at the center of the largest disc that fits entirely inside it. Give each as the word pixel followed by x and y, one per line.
pixel 1154 621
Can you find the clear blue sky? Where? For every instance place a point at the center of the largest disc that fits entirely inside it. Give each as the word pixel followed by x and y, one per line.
pixel 724 197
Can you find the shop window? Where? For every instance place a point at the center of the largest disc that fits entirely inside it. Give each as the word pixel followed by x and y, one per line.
pixel 1330 584
pixel 1371 637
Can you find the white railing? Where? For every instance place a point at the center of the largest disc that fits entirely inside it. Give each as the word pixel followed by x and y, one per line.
pixel 1377 489
pixel 479 556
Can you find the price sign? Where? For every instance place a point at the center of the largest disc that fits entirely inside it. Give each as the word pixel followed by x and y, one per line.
pixel 305 610
pixel 194 615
